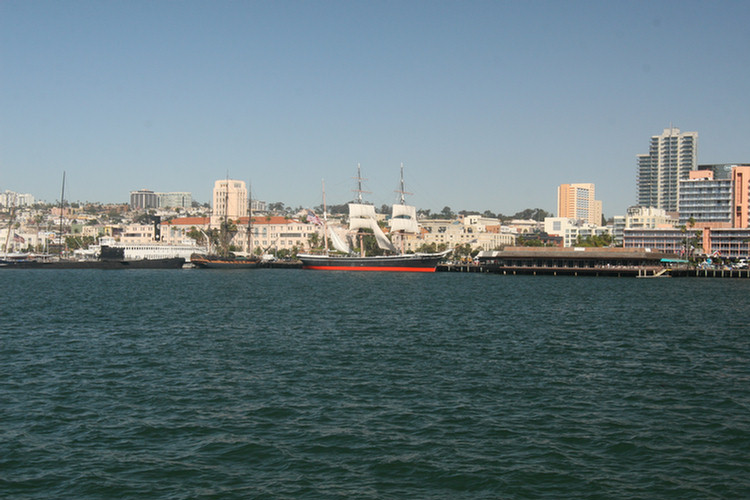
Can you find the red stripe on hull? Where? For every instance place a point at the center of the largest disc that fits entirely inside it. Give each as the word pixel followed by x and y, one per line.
pixel 373 268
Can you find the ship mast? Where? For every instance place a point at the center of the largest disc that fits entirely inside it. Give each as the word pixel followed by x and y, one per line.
pixel 359 180
pixel 249 219
pixel 359 192
pixel 224 233
pixel 325 219
pixel 401 191
pixel 10 224
pixel 402 200
pixel 62 208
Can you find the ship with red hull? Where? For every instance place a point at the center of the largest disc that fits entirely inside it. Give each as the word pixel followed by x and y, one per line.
pixel 413 263
pixel 362 217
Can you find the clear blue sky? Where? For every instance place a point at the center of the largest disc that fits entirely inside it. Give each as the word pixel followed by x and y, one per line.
pixel 489 105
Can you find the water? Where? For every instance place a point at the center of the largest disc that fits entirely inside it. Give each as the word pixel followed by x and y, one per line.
pixel 302 384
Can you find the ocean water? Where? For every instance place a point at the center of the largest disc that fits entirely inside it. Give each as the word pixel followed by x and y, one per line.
pixel 302 384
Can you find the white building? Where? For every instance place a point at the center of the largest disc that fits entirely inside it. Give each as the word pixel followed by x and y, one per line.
pixel 9 199
pixel 672 155
pixel 570 229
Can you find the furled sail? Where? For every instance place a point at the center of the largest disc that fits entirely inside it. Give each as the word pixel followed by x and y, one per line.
pixel 404 218
pixel 338 243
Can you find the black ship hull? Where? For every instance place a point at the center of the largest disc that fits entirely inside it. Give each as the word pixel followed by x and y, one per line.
pixel 415 263
pixel 210 262
pixel 171 263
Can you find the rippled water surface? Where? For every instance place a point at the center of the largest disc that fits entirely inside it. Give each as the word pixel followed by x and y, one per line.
pixel 303 384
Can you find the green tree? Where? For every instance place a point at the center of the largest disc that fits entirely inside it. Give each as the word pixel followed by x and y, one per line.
pixel 447 213
pixel 314 240
pixel 197 235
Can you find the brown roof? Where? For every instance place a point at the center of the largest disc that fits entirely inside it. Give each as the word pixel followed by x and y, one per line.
pixel 187 221
pixel 578 253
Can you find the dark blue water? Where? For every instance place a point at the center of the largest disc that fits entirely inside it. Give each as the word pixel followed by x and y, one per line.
pixel 303 384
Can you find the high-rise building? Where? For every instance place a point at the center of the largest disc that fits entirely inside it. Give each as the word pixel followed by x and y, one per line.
pixel 175 200
pixel 143 198
pixel 576 201
pixel 230 199
pixel 671 157
pixel 10 199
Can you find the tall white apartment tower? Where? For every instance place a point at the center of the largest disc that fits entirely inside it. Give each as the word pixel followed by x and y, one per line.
pixel 230 200
pixel 671 157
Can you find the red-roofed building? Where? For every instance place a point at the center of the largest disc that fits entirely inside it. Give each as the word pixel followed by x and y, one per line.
pixel 268 232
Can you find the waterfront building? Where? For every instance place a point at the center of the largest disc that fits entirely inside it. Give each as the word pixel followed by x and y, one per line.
pixel 269 233
pixel 584 261
pixel 571 228
pixel 138 233
pixel 641 218
pixel 727 242
pixel 712 202
pixel 578 201
pixel 229 200
pixel 648 218
pixel 672 155
pixel 671 240
pixel 479 232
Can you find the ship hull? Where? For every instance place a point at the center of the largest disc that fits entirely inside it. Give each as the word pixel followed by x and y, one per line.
pixel 170 263
pixel 212 263
pixel 412 263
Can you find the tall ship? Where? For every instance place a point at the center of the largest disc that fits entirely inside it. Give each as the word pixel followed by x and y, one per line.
pixel 362 217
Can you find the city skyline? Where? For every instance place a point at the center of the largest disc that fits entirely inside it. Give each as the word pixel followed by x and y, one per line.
pixel 490 106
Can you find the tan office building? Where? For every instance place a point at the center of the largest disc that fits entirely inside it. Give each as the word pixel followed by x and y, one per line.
pixel 229 200
pixel 576 201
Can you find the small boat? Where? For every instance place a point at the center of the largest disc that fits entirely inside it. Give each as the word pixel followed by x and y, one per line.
pixel 362 216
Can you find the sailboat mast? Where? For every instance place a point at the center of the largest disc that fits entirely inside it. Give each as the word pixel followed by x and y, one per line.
pixel 359 192
pixel 325 219
pixel 249 219
pixel 10 224
pixel 402 198
pixel 359 180
pixel 225 224
pixel 62 209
